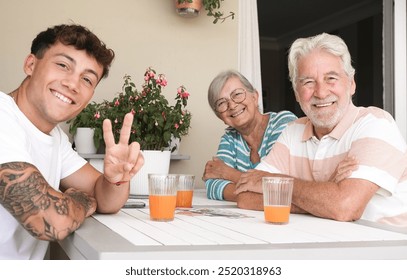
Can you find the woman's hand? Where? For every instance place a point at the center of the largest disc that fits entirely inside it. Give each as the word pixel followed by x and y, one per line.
pixel 217 169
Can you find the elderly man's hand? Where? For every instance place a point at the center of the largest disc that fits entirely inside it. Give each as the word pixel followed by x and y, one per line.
pixel 251 181
pixel 344 169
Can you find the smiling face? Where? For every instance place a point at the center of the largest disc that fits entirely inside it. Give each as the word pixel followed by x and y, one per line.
pixel 323 90
pixel 238 115
pixel 58 86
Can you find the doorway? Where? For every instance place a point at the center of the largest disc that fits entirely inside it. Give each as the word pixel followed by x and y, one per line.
pixel 358 22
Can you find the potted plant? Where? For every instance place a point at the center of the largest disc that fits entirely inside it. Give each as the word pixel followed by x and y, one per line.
pixel 212 7
pixel 87 123
pixel 156 122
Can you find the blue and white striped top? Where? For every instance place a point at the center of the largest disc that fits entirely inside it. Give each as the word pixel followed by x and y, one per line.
pixel 235 152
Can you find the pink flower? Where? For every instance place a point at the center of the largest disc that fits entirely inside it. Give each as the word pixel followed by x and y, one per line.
pixel 185 95
pixel 176 126
pixel 116 103
pixel 148 75
pixel 182 92
pixel 97 115
pixel 161 80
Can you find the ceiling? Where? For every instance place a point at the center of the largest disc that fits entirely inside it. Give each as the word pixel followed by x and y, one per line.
pixel 281 21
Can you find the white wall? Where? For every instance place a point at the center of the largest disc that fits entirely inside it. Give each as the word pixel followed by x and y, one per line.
pixel 142 33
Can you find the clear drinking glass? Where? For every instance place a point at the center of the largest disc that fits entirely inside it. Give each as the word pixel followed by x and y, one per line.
pixel 162 190
pixel 277 194
pixel 185 190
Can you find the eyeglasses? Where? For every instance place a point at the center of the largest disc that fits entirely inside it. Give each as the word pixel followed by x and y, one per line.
pixel 237 96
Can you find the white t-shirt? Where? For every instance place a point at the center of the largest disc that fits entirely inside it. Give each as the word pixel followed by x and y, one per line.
pixel 21 141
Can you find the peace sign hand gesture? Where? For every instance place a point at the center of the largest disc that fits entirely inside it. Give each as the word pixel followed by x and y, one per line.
pixel 122 160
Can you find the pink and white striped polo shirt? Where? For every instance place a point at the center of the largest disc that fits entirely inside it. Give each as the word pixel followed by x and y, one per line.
pixel 370 135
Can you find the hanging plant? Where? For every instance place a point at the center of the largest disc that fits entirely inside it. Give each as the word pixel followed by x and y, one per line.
pixel 212 8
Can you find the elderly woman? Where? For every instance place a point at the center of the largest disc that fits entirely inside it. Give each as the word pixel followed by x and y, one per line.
pixel 248 138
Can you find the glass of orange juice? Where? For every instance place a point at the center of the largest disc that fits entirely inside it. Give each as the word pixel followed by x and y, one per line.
pixel 277 194
pixel 162 190
pixel 185 190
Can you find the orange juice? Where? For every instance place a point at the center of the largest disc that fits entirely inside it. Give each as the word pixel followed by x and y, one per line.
pixel 162 207
pixel 184 198
pixel 277 214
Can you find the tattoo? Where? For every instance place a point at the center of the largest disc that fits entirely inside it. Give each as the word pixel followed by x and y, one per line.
pixel 81 198
pixel 26 195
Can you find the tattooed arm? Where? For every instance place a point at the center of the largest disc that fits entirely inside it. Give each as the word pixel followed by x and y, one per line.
pixel 43 211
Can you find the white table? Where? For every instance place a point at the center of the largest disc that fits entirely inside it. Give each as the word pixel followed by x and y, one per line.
pixel 131 235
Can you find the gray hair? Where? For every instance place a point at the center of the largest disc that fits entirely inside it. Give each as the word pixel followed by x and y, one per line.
pixel 327 42
pixel 219 82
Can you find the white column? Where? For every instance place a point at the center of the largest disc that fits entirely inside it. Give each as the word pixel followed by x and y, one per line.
pixel 249 45
pixel 400 68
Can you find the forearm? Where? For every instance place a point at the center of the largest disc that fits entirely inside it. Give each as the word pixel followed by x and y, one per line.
pixel 311 197
pixel 110 196
pixel 254 201
pixel 250 201
pixel 297 210
pixel 44 212
pixel 229 192
pixel 344 201
pixel 232 175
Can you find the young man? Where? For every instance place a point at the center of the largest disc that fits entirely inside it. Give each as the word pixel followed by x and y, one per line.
pixel 46 189
pixel 310 148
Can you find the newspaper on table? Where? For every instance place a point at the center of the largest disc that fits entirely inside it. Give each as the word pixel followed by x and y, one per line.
pixel 212 212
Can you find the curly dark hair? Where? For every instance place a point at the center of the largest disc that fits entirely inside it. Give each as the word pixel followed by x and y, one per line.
pixel 74 35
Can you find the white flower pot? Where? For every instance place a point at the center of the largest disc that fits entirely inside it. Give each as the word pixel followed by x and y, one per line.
pixel 84 140
pixel 154 162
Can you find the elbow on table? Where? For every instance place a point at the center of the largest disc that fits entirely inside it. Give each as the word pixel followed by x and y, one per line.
pixel 109 210
pixel 51 230
pixel 347 212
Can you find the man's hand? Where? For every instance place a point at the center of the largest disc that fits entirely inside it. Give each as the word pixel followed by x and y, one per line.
pixel 251 181
pixel 344 169
pixel 122 161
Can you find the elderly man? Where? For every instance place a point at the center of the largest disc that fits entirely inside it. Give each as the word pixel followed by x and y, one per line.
pixel 310 149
